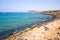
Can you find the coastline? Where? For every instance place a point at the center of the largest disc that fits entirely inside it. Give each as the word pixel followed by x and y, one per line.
pixel 21 35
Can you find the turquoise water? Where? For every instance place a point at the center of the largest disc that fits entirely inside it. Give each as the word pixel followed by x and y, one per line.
pixel 11 22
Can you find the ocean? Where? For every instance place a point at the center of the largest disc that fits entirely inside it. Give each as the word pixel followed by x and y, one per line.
pixel 12 22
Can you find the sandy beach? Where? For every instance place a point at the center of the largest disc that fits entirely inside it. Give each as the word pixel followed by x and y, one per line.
pixel 49 30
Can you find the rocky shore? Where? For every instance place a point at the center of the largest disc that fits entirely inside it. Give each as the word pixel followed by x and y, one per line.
pixel 49 30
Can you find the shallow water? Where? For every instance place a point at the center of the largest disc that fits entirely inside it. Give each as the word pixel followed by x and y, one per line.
pixel 11 22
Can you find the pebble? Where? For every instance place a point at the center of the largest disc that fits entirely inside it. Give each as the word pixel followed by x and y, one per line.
pixel 56 38
pixel 20 39
pixel 46 28
pixel 58 33
pixel 59 28
pixel 49 39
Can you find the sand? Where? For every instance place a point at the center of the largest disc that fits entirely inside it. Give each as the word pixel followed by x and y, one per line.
pixel 49 30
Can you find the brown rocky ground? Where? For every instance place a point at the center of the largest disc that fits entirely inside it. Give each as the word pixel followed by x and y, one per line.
pixel 49 30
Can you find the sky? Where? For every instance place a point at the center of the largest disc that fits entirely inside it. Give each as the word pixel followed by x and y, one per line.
pixel 26 5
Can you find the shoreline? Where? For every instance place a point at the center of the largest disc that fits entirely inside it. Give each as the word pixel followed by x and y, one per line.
pixel 30 28
pixel 27 29
pixel 34 26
